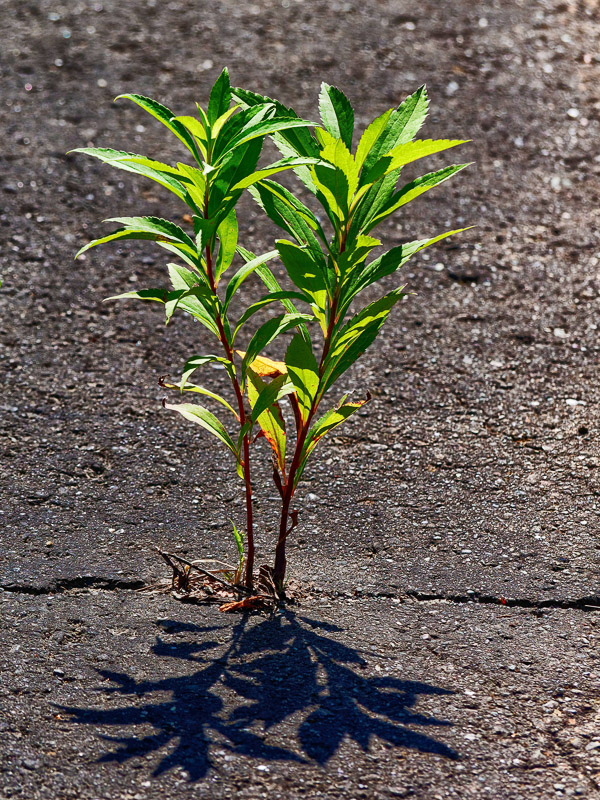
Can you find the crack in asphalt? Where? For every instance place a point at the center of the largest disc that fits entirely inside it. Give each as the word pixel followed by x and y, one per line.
pixel 589 603
pixel 60 585
pixel 78 582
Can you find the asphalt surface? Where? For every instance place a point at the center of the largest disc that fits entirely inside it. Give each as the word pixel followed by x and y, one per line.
pixel 460 505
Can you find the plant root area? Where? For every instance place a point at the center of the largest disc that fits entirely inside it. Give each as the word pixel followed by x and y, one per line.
pixel 445 643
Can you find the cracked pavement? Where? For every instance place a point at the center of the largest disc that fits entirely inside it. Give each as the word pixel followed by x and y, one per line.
pixel 446 645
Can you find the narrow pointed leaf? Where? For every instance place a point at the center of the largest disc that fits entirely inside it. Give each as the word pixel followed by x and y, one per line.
pixel 156 225
pixel 193 363
pixel 161 173
pixel 265 301
pixel 355 337
pixel 269 280
pixel 304 271
pixel 239 541
pixel 266 128
pixel 303 371
pixel 156 295
pixel 241 275
pixel 179 298
pixel 121 234
pixel 206 419
pixel 269 331
pixel 407 153
pixel 270 420
pixel 330 420
pixel 191 387
pixel 411 191
pixel 336 113
pixel 164 115
pixel 272 393
pixel 272 169
pixel 395 258
pixel 220 97
pixel 403 125
pixel 370 137
pixel 228 237
pixel 301 223
pixel 183 278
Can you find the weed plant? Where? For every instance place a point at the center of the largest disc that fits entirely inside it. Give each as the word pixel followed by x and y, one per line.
pixel 328 267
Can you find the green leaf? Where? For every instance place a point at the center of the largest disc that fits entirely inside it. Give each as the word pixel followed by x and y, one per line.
pixel 200 305
pixel 409 118
pixel 272 169
pixel 376 197
pixel 117 235
pixel 220 97
pixel 164 115
pixel 267 332
pixel 389 262
pixel 370 137
pixel 269 280
pixel 243 272
pixel 203 417
pixel 406 153
pixel 331 419
pixel 303 371
pixel 165 175
pixel 156 225
pixel 411 191
pixel 191 387
pixel 233 126
pixel 334 189
pixel 336 113
pixel 197 130
pixel 265 301
pixel 304 271
pixel 192 364
pixel 286 216
pixel 152 228
pixel 195 183
pixel 239 541
pixel 183 278
pixel 295 141
pixel 270 420
pixel 402 125
pixel 204 230
pixel 157 295
pixel 202 294
pixel 354 338
pixel 272 393
pixel 228 237
pixel 265 128
pixel 236 165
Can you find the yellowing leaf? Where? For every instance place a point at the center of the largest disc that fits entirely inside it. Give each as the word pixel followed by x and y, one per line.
pixel 265 367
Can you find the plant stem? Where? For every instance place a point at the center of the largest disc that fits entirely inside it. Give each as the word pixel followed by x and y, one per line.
pixel 280 565
pixel 249 575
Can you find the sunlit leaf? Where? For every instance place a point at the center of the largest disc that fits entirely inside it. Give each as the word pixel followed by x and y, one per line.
pixel 337 114
pixel 303 370
pixel 206 419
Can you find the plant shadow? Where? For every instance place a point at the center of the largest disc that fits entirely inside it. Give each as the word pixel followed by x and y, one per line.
pixel 284 674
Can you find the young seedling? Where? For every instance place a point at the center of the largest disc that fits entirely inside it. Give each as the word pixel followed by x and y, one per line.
pixel 329 272
pixel 225 144
pixel 357 191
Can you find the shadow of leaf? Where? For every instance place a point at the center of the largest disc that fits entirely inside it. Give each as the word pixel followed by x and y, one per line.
pixel 279 672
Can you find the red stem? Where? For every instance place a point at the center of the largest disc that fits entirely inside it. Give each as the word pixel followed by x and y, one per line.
pixel 280 565
pixel 249 576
